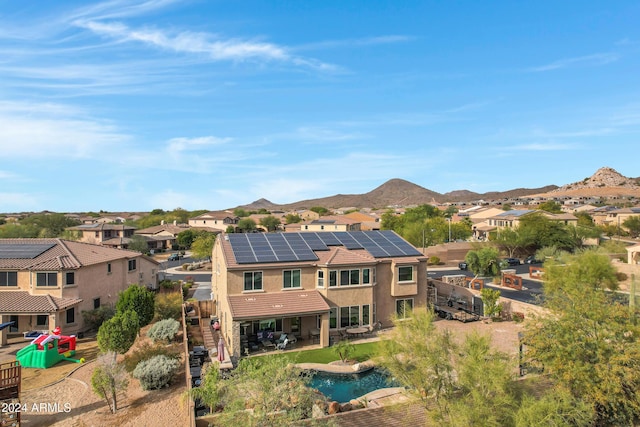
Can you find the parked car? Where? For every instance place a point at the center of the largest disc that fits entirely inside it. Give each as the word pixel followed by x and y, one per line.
pixel 531 259
pixel 512 261
pixel 174 257
pixel 463 265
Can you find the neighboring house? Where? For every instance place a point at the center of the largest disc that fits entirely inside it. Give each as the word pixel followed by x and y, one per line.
pixel 313 284
pixel 114 235
pixel 216 220
pixel 633 254
pixel 511 219
pixel 163 236
pixel 367 221
pixel 46 283
pixel 617 217
pixel 332 223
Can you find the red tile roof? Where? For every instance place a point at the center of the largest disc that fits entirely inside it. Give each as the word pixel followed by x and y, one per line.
pixel 24 302
pixel 279 304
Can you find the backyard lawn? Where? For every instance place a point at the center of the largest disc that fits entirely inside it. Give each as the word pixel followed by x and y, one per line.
pixel 362 352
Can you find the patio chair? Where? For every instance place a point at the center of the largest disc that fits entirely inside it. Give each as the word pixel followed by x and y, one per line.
pixel 282 345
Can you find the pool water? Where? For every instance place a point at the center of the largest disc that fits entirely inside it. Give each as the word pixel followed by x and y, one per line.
pixel 344 387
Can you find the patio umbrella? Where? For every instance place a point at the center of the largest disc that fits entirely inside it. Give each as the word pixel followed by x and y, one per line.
pixel 220 350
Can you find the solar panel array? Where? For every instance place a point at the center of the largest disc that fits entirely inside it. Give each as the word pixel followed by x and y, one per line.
pixel 290 247
pixel 23 251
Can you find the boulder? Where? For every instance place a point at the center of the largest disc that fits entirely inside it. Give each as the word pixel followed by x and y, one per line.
pixel 334 408
pixel 345 407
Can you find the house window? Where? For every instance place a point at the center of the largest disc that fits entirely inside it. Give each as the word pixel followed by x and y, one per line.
pixel 354 277
pixel 366 312
pixel 366 276
pixel 320 278
pixel 71 315
pixel 132 264
pixel 333 278
pixel 344 277
pixel 404 307
pixel 14 327
pixel 46 279
pixel 291 279
pixel 349 316
pixel 333 318
pixel 109 268
pixel 405 274
pixel 96 303
pixel 70 278
pixel 253 280
pixel 8 278
pixel 374 275
pixel 42 320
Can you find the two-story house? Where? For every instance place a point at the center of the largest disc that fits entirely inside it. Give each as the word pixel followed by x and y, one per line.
pixel 46 283
pixel 313 284
pixel 332 223
pixel 114 235
pixel 215 220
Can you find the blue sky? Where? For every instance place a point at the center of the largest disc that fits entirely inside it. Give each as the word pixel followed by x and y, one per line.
pixel 137 105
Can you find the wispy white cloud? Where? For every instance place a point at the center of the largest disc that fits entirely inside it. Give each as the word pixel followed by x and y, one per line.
pixel 316 134
pixel 53 130
pixel 15 202
pixel 212 46
pixel 580 61
pixel 542 146
pixel 183 144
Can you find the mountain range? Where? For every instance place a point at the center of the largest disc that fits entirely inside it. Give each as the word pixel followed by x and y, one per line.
pixel 606 182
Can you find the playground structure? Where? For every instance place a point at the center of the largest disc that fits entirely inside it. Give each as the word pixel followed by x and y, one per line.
pixel 48 349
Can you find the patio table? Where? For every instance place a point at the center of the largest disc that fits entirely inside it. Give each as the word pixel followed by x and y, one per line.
pixel 357 331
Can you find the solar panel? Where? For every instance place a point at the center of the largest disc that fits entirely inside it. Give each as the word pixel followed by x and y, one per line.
pixel 254 248
pixel 347 240
pixel 23 251
pixel 329 239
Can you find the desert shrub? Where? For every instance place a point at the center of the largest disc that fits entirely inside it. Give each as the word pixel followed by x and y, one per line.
pixel 146 351
pixel 621 276
pixel 168 306
pixel 95 318
pixel 156 372
pixel 434 260
pixel 164 330
pixel 517 317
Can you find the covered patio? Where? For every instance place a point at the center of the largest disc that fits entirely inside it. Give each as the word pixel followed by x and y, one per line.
pixel 260 319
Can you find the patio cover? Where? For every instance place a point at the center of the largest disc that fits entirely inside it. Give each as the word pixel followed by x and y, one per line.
pixel 6 324
pixel 22 302
pixel 277 304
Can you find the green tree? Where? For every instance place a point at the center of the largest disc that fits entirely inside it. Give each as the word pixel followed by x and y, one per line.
pixel 246 225
pixel 139 243
pixel 632 225
pixel 50 225
pixel 512 240
pixel 119 333
pixel 490 300
pixel 271 223
pixel 484 261
pixel 230 229
pixel 588 341
pixel 108 379
pixel 202 246
pixel 556 407
pixel 241 213
pixel 138 299
pixel 545 232
pixel 320 210
pixel 292 219
pixel 550 206
pixel 185 238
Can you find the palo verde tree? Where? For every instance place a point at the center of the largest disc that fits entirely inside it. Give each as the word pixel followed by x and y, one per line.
pixel 138 299
pixel 632 225
pixel 202 246
pixel 589 342
pixel 459 384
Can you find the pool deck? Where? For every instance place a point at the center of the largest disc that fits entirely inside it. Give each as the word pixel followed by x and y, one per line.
pixel 338 367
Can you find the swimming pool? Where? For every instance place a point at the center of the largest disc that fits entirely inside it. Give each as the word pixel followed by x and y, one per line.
pixel 344 387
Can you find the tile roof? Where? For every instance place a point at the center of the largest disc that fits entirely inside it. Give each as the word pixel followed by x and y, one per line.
pixel 337 255
pixel 63 255
pixel 24 302
pixel 285 303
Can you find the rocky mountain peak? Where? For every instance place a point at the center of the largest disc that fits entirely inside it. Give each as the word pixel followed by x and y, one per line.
pixel 604 177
